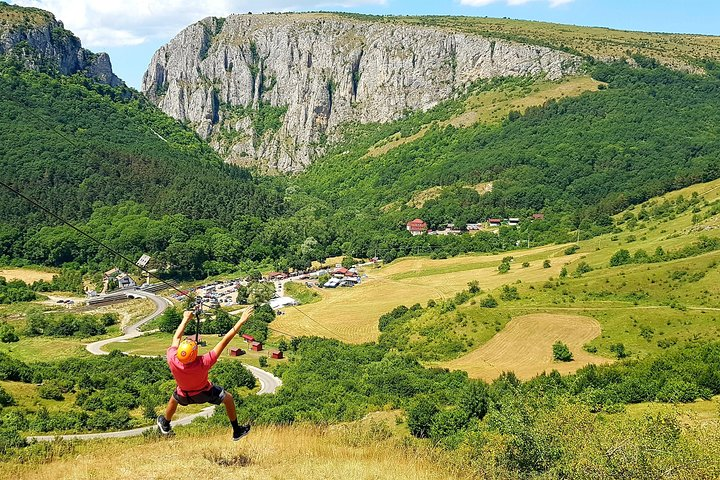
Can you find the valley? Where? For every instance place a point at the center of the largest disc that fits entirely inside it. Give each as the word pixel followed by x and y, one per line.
pixel 500 239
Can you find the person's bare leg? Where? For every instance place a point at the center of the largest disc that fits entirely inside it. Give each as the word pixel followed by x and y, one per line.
pixel 170 409
pixel 230 407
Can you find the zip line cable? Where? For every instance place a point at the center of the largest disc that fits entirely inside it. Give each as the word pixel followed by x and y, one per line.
pixel 105 246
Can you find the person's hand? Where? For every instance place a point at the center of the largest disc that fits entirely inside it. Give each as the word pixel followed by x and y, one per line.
pixel 187 315
pixel 248 311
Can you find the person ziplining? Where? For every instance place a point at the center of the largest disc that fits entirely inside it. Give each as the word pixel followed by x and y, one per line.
pixel 191 376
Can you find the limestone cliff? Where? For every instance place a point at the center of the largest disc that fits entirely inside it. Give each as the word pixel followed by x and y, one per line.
pixel 271 89
pixel 40 42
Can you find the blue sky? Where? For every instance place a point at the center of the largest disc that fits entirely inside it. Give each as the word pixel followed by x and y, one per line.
pixel 132 30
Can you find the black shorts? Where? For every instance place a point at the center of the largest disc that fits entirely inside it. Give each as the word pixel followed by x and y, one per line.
pixel 214 395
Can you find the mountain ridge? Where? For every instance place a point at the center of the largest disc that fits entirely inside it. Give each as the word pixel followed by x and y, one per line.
pixel 38 41
pixel 320 71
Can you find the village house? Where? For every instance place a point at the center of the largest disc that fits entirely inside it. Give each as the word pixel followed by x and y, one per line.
pixel 513 222
pixel 417 227
pixel 494 222
pixel 538 216
pixel 473 227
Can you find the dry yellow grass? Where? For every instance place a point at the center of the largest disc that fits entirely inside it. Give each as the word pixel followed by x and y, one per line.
pixel 26 275
pixel 130 311
pixel 351 314
pixel 297 452
pixel 524 346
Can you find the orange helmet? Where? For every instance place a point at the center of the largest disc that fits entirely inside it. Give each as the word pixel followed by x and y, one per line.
pixel 187 351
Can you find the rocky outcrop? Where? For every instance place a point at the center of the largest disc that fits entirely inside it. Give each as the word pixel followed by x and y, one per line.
pixel 272 89
pixel 40 42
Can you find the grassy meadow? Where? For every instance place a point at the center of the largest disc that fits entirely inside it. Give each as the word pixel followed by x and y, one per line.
pixel 647 307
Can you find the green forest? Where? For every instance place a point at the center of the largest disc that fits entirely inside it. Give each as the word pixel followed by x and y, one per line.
pixel 143 183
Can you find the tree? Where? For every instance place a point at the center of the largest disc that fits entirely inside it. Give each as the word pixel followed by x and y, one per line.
pixel 621 257
pixel 420 414
pixel 263 362
pixel 474 287
pixel 322 279
pixel 348 262
pixel 561 352
pixel 283 345
pixel 504 267
pixel 169 320
pixel 260 292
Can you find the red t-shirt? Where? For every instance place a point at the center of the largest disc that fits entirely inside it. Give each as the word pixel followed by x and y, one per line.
pixel 191 378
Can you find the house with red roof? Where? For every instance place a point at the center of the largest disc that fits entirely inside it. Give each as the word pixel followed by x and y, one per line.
pixel 417 227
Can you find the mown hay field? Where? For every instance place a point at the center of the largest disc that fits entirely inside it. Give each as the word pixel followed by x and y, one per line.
pixel 524 346
pixel 351 314
pixel 26 275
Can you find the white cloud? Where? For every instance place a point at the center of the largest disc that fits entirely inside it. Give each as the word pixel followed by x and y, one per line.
pixel 482 3
pixel 110 23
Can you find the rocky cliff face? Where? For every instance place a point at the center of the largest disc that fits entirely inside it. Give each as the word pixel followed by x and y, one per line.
pixel 271 89
pixel 40 42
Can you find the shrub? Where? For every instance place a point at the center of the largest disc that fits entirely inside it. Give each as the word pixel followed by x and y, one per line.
pixel 504 267
pixel 572 249
pixel 526 264
pixel 621 257
pixel 474 287
pixel 582 268
pixel 561 352
pixel 50 391
pixel 546 263
pixel 619 350
pixel 5 398
pixel 7 333
pixel 263 362
pixel 509 293
pixel 489 302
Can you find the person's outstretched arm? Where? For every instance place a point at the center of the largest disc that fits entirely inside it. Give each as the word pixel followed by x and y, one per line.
pixel 187 316
pixel 233 331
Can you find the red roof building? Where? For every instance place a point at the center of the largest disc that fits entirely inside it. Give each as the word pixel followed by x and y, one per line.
pixel 256 346
pixel 496 222
pixel 248 338
pixel 538 216
pixel 417 227
pixel 277 355
pixel 236 352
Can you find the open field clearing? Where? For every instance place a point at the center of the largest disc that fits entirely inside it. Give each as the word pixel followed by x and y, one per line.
pixel 351 314
pixel 524 346
pixel 26 275
pixel 269 452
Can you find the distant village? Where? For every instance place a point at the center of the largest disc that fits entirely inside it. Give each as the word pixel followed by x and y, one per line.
pixel 420 227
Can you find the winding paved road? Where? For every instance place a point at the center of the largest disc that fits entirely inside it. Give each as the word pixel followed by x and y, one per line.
pixel 269 383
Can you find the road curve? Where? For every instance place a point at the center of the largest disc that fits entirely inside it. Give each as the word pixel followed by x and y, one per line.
pixel 269 383
pixel 133 331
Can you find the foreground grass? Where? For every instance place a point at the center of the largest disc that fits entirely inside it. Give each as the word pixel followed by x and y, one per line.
pixel 297 452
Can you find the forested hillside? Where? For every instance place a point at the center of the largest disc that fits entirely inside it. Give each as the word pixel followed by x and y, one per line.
pixel 578 159
pixel 76 146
